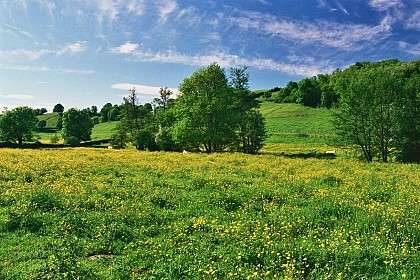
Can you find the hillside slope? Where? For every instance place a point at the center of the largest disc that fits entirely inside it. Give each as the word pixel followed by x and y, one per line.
pixel 296 126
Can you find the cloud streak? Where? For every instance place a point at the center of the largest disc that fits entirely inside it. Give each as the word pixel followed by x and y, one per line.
pixel 229 60
pixel 17 96
pixel 348 37
pixel 125 48
pixel 141 89
pixel 26 68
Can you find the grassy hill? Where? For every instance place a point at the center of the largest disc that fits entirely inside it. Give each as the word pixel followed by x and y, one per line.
pixel 51 119
pixel 294 126
pixel 103 130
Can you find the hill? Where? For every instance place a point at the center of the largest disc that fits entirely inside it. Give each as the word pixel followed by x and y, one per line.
pixel 296 127
pixel 51 119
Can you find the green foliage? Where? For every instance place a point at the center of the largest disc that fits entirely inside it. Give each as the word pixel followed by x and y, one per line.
pixel 204 111
pixel 374 105
pixel 58 108
pixel 18 125
pixel 76 125
pixel 145 140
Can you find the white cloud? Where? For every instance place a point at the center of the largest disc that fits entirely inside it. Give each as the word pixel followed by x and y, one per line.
pixel 384 5
pixel 22 53
pixel 77 47
pixel 414 21
pixel 141 89
pixel 125 48
pixel 17 96
pixel 45 69
pixel 166 8
pixel 413 49
pixel 228 60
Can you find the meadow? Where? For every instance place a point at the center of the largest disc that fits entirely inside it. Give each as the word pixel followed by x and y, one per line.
pixel 123 214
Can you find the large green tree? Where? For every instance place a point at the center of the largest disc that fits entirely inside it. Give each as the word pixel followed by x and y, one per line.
pixel 77 126
pixel 205 115
pixel 377 109
pixel 18 124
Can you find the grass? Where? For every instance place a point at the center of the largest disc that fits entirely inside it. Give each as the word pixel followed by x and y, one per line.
pixel 103 130
pixel 295 128
pixel 123 214
pixel 51 119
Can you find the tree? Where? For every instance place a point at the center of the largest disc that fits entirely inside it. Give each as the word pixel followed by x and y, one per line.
pixel 353 121
pixel 252 132
pixel 76 125
pixel 104 112
pixel 18 124
pixel 407 133
pixel 251 128
pixel 366 115
pixel 165 94
pixel 204 111
pixel 58 108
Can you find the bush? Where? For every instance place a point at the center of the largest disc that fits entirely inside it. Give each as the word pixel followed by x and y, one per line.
pixel 145 140
pixel 72 141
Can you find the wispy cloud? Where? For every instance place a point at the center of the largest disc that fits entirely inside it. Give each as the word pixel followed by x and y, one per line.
pixel 125 48
pixel 413 22
pixel 45 69
pixel 347 37
pixel 166 8
pixel 17 96
pixel 112 9
pixel 228 60
pixel 77 47
pixel 11 55
pixel 384 5
pixel 140 89
pixel 413 49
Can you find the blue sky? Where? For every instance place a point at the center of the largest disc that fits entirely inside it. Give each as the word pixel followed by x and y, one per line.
pixel 89 52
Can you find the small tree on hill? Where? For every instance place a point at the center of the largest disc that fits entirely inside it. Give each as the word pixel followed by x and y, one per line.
pixel 58 108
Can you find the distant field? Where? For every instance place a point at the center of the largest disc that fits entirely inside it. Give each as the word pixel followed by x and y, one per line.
pixel 122 214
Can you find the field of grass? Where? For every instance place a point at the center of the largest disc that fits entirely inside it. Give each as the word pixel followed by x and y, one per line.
pixel 294 128
pixel 123 214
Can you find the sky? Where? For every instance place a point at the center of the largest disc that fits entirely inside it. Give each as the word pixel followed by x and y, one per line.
pixel 90 52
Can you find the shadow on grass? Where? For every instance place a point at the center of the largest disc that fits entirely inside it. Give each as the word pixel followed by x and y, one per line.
pixel 38 145
pixel 306 156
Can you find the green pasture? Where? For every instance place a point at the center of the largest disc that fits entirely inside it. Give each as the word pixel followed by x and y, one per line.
pixel 124 214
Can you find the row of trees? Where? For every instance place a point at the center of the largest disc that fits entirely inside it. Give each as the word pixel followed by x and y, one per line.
pixel 379 108
pixel 213 113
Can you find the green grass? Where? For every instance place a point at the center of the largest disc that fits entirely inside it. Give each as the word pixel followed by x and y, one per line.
pixel 296 126
pixel 51 119
pixel 103 130
pixel 122 214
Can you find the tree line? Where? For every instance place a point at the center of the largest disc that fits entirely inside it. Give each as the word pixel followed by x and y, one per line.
pixel 214 112
pixel 375 107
